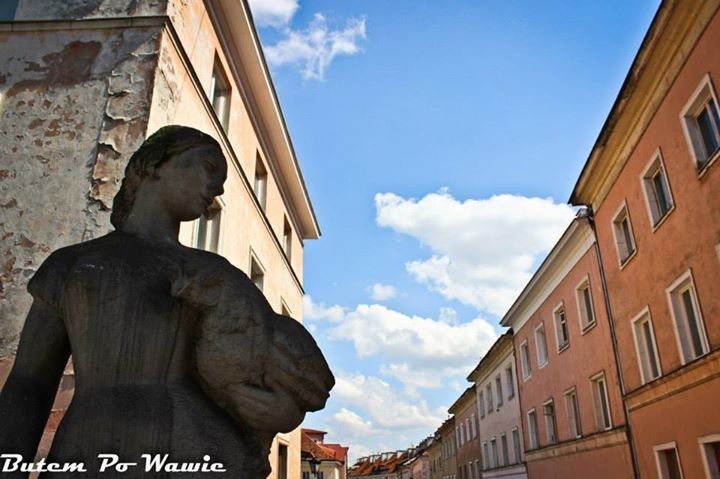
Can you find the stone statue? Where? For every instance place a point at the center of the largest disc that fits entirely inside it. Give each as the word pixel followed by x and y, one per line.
pixel 175 350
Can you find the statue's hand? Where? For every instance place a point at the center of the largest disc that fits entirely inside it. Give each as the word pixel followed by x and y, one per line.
pixel 270 410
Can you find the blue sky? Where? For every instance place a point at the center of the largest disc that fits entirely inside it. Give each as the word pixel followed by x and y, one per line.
pixel 439 141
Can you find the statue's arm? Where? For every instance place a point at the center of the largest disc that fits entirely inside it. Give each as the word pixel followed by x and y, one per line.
pixel 29 391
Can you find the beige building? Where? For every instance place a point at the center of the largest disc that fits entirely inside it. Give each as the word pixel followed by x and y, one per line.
pixel 446 436
pixel 82 84
pixel 498 401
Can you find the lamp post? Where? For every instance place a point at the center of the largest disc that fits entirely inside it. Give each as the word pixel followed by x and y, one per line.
pixel 314 464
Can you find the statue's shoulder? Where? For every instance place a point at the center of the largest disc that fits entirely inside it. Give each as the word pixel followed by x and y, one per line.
pixel 47 282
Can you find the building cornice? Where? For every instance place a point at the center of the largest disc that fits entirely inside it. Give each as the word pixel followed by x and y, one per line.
pixel 252 75
pixel 495 356
pixel 465 399
pixel 572 245
pixel 676 27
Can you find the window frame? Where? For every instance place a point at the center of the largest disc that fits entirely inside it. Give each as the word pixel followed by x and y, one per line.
pixel 287 239
pixel 260 177
pixel 481 403
pixel 525 359
pixel 217 204
pixel 659 448
pixel 598 404
pixel 642 317
pixel 517 447
pixel 656 163
pixel 704 92
pixel 571 412
pixel 498 391
pixel 504 450
pixel 580 302
pixel 254 260
pixel 703 441
pixel 537 349
pixel 551 439
pixel 622 262
pixel 219 76
pixel 687 279
pixel 560 308
pixel 533 437
pixel 510 379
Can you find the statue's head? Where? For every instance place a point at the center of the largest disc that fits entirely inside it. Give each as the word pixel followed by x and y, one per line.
pixel 184 167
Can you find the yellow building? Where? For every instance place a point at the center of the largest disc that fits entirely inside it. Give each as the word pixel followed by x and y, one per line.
pixel 83 83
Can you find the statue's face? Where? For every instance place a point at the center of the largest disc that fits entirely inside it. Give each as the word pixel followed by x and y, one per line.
pixel 189 181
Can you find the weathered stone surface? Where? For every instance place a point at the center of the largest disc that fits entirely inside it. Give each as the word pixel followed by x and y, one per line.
pixel 81 9
pixel 175 351
pixel 63 155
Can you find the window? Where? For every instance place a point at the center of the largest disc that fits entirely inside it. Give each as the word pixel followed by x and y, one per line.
pixel 505 452
pixel 541 345
pixel 284 310
pixel 220 94
pixel 488 390
pixel 257 274
pixel 282 470
pixel 667 460
pixel 477 469
pixel 561 328
pixel 532 429
pixel 485 456
pixel 481 404
pixel 207 232
pixel 260 183
pixel 498 390
pixel 585 304
pixel 702 124
pixel 573 412
pixel 473 425
pixel 601 402
pixel 550 421
pixel 494 451
pixel 710 451
pixel 624 239
pixel 516 445
pixel 510 382
pixel 525 359
pixel 7 10
pixel 645 346
pixel 657 190
pixel 689 326
pixel 287 239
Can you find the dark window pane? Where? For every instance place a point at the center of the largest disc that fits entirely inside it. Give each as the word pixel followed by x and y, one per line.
pixel 671 462
pixel 588 305
pixel 706 131
pixel 628 237
pixel 692 323
pixel 650 347
pixel 663 201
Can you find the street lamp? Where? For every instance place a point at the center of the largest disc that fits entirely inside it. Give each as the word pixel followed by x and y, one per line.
pixel 314 463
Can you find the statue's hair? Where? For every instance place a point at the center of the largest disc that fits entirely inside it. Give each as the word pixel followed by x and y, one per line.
pixel 159 147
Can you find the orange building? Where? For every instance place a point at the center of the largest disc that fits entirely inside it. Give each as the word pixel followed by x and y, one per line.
pixel 653 184
pixel 467 435
pixel 570 400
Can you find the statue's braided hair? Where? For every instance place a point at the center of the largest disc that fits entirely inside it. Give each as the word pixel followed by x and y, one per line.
pixel 162 145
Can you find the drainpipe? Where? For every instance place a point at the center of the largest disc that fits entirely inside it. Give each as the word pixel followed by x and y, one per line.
pixel 588 214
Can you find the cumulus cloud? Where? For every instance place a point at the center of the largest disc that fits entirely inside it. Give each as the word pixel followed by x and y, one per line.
pixel 382 292
pixel 419 352
pixel 313 48
pixel 387 409
pixel 352 424
pixel 482 250
pixel 273 13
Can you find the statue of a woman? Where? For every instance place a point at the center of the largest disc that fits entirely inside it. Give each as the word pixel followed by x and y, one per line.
pixel 175 351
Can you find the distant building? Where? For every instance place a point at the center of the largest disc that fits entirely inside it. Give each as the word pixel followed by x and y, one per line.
pixel 500 422
pixel 653 182
pixel 329 459
pixel 570 399
pixel 467 438
pixel 83 84
pixel 387 465
pixel 447 438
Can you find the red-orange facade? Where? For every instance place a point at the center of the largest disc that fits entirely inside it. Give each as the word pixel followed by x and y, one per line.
pixel 653 180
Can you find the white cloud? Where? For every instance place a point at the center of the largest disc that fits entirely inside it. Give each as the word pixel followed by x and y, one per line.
pixel 312 49
pixel 351 424
pixel 317 311
pixel 388 411
pixel 382 292
pixel 273 13
pixel 483 251
pixel 419 352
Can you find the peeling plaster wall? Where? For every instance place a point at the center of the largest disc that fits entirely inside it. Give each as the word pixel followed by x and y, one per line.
pixel 73 107
pixel 77 9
